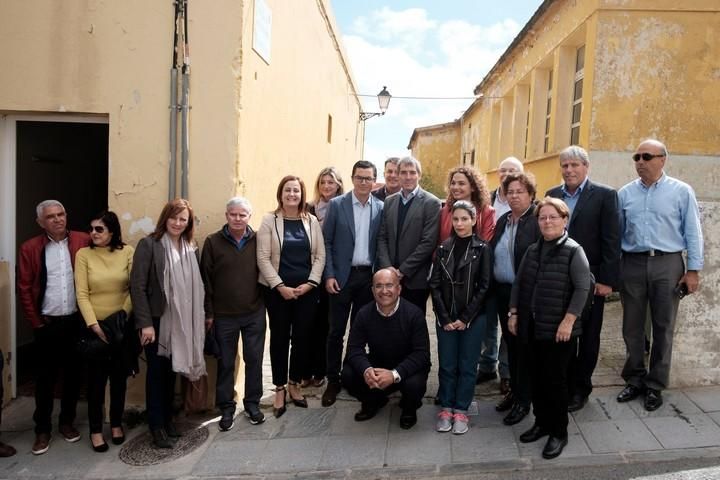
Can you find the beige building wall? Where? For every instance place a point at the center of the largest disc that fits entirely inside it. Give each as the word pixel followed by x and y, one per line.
pixel 251 122
pixel 437 147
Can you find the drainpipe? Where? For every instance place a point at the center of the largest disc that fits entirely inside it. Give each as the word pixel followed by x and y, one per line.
pixel 185 104
pixel 172 174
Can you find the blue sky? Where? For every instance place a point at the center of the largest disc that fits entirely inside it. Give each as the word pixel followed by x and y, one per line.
pixel 423 49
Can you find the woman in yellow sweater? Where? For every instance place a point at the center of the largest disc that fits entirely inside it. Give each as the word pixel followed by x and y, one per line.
pixel 102 277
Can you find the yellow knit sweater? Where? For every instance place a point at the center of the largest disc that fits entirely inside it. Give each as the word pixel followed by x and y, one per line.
pixel 102 281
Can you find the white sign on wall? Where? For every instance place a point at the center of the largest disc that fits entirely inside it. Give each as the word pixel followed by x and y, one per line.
pixel 262 30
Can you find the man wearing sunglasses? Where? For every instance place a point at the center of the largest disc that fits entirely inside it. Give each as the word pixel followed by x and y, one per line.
pixel 659 219
pixel 593 224
pixel 47 297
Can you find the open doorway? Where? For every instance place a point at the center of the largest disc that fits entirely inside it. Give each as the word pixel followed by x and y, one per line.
pixel 65 161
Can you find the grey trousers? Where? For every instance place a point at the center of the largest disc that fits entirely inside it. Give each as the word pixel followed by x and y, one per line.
pixel 649 281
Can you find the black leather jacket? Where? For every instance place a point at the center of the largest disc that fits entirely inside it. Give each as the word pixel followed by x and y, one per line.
pixel 460 296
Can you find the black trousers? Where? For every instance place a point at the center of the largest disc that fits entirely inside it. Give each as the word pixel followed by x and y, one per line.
pixel 159 385
pixel 100 370
pixel 550 387
pixel 290 323
pixel 412 389
pixel 519 353
pixel 317 362
pixel 416 296
pixel 57 353
pixel 582 365
pixel 228 330
pixel 355 294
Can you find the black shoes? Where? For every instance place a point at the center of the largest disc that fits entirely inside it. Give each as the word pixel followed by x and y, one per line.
pixel 103 447
pixel 161 438
pixel 331 393
pixel 506 403
pixel 516 415
pixel 534 434
pixel 408 418
pixel 280 411
pixel 577 402
pixel 226 420
pixel 653 399
pixel 254 415
pixel 172 431
pixel 369 410
pixel 630 392
pixel 483 377
pixel 554 447
pixel 119 440
pixel 294 387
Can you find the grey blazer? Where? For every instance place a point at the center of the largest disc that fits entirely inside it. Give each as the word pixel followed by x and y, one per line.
pixel 146 287
pixel 418 237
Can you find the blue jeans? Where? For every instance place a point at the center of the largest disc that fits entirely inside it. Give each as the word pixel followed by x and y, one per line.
pixel 488 358
pixel 458 352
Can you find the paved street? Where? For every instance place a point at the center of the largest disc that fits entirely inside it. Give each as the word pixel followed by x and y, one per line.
pixel 327 442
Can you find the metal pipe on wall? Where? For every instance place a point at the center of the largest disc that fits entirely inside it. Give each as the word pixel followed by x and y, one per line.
pixel 185 105
pixel 172 173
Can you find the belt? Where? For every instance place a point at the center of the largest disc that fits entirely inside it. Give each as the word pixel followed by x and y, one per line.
pixel 56 318
pixel 360 268
pixel 651 253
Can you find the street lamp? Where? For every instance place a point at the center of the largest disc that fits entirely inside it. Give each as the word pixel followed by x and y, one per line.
pixel 383 100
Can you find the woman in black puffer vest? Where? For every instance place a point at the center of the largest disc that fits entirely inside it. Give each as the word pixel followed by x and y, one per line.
pixel 549 294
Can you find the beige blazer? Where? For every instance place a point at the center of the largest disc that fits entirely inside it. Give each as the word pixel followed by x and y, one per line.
pixel 269 244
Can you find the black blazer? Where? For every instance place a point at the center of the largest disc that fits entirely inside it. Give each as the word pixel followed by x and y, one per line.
pixel 595 225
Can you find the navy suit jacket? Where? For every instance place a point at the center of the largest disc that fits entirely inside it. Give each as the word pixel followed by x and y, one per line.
pixel 339 234
pixel 595 225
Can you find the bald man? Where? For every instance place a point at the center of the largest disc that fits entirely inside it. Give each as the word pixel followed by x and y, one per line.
pixel 388 350
pixel 659 219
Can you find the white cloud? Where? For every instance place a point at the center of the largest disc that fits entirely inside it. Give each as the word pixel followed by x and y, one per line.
pixel 415 55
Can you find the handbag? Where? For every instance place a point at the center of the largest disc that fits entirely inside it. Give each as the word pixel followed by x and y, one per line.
pixel 89 345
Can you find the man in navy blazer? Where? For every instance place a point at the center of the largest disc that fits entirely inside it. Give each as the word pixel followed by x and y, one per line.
pixel 595 225
pixel 350 230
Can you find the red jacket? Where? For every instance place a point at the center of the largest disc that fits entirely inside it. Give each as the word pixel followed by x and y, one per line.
pixel 32 275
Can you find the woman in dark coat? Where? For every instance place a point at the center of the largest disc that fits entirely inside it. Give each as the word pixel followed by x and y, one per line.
pixel 549 294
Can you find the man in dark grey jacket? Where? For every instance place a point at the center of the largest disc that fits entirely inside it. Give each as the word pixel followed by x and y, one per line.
pixel 409 232
pixel 234 307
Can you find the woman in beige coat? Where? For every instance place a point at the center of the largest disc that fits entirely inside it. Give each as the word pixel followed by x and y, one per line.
pixel 291 259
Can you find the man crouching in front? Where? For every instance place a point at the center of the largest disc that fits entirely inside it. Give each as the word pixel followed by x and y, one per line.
pixel 397 356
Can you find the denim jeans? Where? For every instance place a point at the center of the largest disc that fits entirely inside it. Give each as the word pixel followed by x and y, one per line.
pixel 458 352
pixel 488 358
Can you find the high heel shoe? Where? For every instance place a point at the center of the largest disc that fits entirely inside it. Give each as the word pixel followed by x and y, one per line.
pixel 280 411
pixel 118 440
pixel 298 402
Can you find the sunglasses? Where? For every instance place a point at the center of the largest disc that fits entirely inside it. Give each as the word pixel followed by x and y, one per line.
pixel 97 229
pixel 646 156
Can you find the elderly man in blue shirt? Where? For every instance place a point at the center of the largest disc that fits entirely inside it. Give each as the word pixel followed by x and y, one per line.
pixel 659 218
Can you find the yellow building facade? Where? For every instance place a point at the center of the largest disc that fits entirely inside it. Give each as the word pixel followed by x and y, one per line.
pixel 271 93
pixel 437 147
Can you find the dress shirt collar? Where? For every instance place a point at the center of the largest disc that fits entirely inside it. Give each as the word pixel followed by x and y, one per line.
pixel 356 201
pixel 660 180
pixel 577 191
pixel 395 309
pixel 407 198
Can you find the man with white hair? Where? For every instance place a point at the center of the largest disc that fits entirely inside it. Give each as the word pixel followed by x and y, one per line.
pixel 594 225
pixel 46 285
pixel 234 306
pixel 659 219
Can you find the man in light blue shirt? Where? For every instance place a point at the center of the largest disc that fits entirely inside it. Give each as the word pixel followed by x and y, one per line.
pixel 659 219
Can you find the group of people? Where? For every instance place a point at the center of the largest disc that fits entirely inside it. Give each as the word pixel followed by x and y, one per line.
pixel 539 268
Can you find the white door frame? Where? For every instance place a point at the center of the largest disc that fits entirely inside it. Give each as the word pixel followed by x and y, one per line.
pixel 8 204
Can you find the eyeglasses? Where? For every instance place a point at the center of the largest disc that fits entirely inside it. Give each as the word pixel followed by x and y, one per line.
pixel 384 286
pixel 360 179
pixel 549 218
pixel 97 229
pixel 646 156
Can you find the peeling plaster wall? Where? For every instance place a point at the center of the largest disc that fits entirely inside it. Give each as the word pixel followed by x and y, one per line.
pixel 657 75
pixel 438 150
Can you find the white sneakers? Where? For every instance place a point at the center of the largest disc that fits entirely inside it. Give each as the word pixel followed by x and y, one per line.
pixel 444 421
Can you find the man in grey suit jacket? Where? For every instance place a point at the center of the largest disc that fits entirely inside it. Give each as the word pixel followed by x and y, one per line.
pixel 350 231
pixel 409 232
pixel 595 225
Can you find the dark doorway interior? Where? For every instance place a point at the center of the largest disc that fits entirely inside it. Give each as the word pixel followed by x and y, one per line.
pixel 65 161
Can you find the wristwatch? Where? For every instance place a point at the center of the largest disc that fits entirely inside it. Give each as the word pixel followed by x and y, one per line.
pixel 510 314
pixel 396 376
